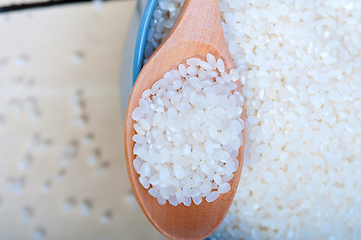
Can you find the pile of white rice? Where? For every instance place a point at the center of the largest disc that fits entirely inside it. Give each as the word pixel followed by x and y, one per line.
pixel 300 69
pixel 188 132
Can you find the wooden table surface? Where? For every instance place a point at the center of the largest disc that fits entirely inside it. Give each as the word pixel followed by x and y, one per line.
pixel 47 56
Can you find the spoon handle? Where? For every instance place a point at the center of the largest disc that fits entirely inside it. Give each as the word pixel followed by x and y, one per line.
pixel 200 20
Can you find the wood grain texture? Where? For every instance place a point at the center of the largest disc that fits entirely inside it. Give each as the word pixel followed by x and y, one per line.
pixel 197 31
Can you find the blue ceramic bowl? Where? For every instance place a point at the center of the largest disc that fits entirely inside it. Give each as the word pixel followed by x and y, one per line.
pixel 142 37
pixel 133 50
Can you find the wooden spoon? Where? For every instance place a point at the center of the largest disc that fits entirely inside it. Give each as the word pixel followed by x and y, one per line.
pixel 197 31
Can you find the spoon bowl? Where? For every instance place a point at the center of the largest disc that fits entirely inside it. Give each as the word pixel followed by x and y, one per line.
pixel 197 32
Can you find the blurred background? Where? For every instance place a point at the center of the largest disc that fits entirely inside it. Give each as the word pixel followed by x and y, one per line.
pixel 65 76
